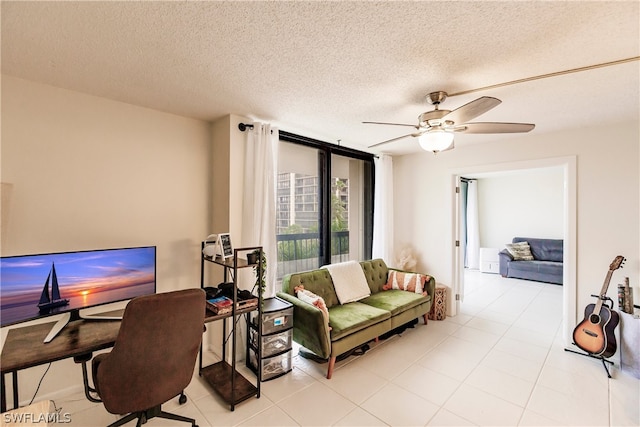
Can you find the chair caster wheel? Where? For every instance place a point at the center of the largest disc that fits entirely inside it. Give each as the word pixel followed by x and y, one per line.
pixel 183 399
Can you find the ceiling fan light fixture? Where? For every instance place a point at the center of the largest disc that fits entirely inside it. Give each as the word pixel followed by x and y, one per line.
pixel 436 140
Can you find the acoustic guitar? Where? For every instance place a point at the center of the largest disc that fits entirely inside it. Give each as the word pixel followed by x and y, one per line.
pixel 595 333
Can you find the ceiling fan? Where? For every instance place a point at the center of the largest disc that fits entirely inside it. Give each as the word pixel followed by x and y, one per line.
pixel 435 128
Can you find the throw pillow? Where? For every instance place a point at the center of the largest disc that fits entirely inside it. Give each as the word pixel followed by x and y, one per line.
pixel 520 251
pixel 412 282
pixel 315 300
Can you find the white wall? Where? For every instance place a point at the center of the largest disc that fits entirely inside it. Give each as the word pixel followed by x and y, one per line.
pixel 607 197
pixel 525 203
pixel 88 173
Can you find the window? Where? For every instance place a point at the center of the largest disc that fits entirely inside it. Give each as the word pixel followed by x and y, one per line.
pixel 325 204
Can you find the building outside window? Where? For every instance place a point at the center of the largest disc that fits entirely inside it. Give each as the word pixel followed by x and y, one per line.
pixel 324 209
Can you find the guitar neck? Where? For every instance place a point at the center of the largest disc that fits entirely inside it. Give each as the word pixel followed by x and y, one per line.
pixel 603 291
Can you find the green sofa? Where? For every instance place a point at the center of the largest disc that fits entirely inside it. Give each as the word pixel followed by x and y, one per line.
pixel 355 323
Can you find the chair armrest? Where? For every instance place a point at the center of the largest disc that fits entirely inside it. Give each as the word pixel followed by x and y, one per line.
pixel 309 329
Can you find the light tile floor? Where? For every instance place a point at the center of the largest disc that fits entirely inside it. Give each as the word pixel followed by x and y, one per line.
pixel 500 362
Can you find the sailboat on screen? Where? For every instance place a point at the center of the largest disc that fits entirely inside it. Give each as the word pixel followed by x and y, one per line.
pixel 49 301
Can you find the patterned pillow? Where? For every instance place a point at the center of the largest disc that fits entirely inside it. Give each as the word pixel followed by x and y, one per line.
pixel 520 251
pixel 412 282
pixel 315 300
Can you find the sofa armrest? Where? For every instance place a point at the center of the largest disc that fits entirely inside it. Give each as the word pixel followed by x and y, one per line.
pixel 506 255
pixel 431 288
pixel 504 259
pixel 309 329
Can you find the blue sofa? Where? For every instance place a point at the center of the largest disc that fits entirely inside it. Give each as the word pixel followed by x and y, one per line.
pixel 545 267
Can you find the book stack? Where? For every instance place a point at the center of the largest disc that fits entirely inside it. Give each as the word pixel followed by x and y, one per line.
pixel 625 297
pixel 220 305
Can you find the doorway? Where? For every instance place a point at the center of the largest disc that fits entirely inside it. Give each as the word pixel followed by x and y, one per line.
pixel 568 167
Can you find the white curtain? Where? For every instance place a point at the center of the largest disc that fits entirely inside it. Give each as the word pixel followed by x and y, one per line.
pixel 259 198
pixel 473 226
pixel 383 209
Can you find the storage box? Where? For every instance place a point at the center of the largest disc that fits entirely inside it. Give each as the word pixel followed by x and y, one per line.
pixel 272 344
pixel 489 260
pixel 272 367
pixel 277 316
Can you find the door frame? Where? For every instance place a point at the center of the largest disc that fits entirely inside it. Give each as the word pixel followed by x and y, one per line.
pixel 569 288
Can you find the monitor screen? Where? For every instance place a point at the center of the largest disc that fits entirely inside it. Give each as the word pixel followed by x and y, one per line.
pixel 35 286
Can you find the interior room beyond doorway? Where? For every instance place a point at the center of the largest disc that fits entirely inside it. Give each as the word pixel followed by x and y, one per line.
pixel 526 199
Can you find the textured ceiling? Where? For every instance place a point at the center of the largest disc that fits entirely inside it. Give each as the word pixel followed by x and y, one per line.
pixel 321 68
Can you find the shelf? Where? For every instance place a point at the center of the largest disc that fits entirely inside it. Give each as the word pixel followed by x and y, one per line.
pixel 210 316
pixel 242 263
pixel 219 375
pixel 223 376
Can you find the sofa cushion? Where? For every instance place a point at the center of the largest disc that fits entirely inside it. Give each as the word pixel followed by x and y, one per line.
pixel 520 251
pixel 540 271
pixel 544 249
pixel 376 273
pixel 352 317
pixel 545 267
pixel 395 301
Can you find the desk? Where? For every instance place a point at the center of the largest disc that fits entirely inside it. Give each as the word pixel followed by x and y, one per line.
pixel 24 347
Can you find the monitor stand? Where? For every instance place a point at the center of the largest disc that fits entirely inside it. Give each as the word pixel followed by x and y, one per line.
pixel 72 315
pixel 100 317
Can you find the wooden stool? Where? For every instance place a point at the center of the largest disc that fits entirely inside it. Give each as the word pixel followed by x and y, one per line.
pixel 439 306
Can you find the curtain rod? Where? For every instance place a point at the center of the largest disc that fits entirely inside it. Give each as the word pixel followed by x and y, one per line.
pixel 286 135
pixel 244 126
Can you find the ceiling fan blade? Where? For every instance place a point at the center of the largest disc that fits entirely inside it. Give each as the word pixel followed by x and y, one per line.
pixel 416 134
pixel 392 124
pixel 472 110
pixel 489 127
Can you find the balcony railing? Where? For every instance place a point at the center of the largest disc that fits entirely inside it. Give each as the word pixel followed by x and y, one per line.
pixel 301 251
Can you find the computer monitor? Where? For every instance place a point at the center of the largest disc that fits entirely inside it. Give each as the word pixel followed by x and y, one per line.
pixel 36 286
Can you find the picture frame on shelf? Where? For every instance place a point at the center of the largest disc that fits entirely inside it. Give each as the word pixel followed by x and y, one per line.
pixel 224 245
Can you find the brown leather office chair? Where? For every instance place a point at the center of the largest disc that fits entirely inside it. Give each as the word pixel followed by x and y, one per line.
pixel 154 356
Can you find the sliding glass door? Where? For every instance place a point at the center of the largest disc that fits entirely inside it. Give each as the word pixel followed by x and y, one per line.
pixel 324 209
pixel 298 209
pixel 348 201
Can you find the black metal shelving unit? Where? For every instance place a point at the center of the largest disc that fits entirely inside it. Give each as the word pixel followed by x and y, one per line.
pixel 222 376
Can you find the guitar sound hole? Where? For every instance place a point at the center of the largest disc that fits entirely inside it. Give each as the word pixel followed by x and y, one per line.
pixel 595 319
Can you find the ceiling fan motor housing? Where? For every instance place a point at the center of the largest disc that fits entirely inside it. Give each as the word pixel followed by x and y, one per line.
pixel 435 98
pixel 432 118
